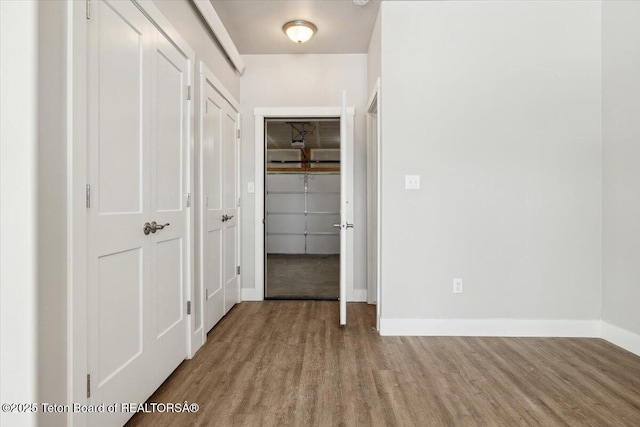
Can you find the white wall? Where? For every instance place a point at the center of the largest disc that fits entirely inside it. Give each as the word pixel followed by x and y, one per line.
pixel 303 81
pixel 621 164
pixel 374 58
pixel 18 207
pixel 52 209
pixel 497 106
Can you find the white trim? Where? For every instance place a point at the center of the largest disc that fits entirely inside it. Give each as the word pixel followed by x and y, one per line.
pixel 218 86
pixel 249 294
pixel 490 327
pixel 375 104
pixel 621 337
pixel 151 11
pixel 359 295
pixel 217 27
pixel 259 116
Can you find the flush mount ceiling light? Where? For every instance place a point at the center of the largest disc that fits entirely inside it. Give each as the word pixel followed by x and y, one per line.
pixel 299 31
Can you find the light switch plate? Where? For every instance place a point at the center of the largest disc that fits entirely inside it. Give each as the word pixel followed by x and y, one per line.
pixel 251 187
pixel 412 182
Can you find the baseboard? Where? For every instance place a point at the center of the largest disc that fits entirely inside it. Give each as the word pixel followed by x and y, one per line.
pixel 249 294
pixel 359 295
pixel 491 327
pixel 621 337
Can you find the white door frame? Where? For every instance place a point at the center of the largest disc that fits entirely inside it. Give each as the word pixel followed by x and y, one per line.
pixel 77 179
pixel 374 105
pixel 285 112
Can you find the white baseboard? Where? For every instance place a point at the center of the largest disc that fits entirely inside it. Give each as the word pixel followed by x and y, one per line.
pixel 249 294
pixel 621 337
pixel 359 295
pixel 491 327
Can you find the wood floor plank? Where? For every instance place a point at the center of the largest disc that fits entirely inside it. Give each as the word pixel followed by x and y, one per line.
pixel 288 363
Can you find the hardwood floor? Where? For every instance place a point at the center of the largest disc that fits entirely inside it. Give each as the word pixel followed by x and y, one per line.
pixel 279 363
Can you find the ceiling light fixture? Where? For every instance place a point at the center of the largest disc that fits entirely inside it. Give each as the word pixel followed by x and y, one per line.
pixel 299 31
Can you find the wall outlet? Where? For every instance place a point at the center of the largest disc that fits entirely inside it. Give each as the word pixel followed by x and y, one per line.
pixel 457 286
pixel 412 182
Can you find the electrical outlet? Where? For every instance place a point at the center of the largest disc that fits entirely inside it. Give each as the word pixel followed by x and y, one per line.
pixel 412 182
pixel 457 286
pixel 251 187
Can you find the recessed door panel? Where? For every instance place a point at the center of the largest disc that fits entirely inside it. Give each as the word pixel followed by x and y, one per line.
pixel 120 290
pixel 120 109
pixel 169 143
pixel 169 265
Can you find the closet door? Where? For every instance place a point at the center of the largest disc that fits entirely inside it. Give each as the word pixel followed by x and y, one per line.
pixel 137 221
pixel 168 176
pixel 212 219
pixel 230 206
pixel 119 265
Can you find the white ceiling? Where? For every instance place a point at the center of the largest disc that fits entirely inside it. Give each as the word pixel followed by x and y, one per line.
pixel 255 26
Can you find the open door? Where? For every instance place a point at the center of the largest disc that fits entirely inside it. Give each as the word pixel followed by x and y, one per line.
pixel 344 225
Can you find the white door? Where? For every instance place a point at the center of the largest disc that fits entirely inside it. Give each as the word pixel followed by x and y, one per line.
pixel 119 269
pixel 137 154
pixel 230 206
pixel 212 218
pixel 169 175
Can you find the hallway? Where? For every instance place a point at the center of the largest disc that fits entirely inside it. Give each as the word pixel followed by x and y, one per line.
pixel 289 363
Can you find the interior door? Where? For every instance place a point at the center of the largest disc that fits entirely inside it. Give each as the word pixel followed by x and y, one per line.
pixel 119 267
pixel 230 206
pixel 138 159
pixel 213 190
pixel 343 210
pixel 169 175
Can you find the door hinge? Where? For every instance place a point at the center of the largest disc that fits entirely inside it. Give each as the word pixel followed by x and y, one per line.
pixel 238 269
pixel 88 9
pixel 88 385
pixel 188 200
pixel 88 196
pixel 188 307
pixel 238 201
pixel 206 294
pixel 238 133
pixel 206 106
pixel 189 93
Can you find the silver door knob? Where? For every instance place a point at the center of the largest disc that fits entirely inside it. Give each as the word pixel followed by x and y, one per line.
pixel 156 227
pixel 349 225
pixel 147 228
pixel 337 225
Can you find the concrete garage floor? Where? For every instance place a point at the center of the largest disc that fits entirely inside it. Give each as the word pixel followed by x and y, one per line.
pixel 303 276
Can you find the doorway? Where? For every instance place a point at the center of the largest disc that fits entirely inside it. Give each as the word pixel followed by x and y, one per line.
pixel 302 204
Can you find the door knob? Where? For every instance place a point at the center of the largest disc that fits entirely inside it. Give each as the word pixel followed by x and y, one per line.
pixel 337 226
pixel 157 227
pixel 147 228
pixel 349 225
pixel 226 217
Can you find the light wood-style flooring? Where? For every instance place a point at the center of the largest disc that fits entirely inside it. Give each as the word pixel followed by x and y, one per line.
pixel 277 363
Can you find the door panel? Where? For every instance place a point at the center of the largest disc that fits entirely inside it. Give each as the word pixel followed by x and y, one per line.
pixel 169 143
pixel 119 359
pixel 121 53
pixel 213 189
pixel 137 157
pixel 168 246
pixel 343 210
pixel 120 287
